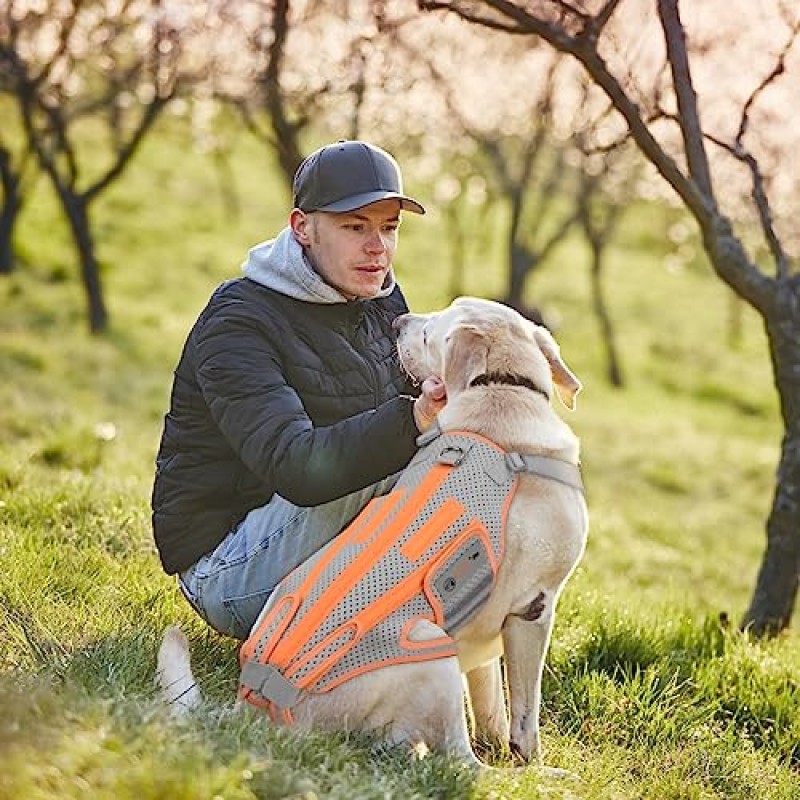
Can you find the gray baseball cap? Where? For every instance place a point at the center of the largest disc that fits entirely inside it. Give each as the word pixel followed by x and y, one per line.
pixel 348 175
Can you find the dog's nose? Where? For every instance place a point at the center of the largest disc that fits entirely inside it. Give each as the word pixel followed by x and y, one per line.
pixel 398 322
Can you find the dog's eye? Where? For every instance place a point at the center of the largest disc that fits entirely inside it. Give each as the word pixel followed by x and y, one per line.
pixel 424 336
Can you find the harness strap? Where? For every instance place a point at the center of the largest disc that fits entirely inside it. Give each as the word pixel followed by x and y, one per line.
pixel 548 467
pixel 432 433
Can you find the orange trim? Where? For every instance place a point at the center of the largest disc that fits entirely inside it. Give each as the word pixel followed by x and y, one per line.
pixel 256 700
pixel 448 513
pixel 350 627
pixel 350 576
pixel 325 557
pixel 501 548
pixel 360 529
pixel 435 477
pixel 364 621
pixel 390 601
pixel 415 658
pixel 247 650
pixel 428 644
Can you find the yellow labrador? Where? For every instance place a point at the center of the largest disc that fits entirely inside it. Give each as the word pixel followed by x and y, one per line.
pixel 499 370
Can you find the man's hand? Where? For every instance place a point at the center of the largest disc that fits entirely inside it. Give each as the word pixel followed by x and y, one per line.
pixel 432 400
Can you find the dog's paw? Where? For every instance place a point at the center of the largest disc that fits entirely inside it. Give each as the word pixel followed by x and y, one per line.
pixel 527 752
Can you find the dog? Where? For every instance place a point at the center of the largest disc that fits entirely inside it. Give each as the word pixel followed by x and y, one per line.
pixel 500 372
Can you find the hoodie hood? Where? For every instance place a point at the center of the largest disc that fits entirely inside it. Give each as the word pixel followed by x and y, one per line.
pixel 280 264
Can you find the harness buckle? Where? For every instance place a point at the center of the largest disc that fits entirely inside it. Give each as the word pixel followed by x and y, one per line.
pixel 450 455
pixel 516 463
pixel 267 680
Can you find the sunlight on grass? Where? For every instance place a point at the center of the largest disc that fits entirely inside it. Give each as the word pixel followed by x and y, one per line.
pixel 649 692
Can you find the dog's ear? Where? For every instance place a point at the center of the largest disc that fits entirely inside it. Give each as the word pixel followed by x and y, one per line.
pixel 566 382
pixel 465 353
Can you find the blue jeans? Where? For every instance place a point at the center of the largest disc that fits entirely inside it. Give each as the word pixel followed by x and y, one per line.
pixel 229 586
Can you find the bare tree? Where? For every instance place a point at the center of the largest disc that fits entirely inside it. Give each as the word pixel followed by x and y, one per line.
pixel 302 62
pixel 514 146
pixel 581 31
pixel 111 63
pixel 598 217
pixel 532 176
pixel 285 120
pixel 15 175
pixel 606 180
pixel 12 197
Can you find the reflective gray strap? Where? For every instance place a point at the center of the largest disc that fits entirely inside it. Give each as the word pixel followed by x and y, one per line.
pixel 432 433
pixel 554 468
pixel 270 684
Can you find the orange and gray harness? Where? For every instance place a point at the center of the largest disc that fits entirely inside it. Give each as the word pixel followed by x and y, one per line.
pixel 430 549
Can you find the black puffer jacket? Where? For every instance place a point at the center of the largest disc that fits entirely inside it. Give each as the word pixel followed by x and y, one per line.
pixel 274 394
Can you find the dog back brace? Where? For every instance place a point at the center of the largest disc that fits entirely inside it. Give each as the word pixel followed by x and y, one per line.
pixel 430 549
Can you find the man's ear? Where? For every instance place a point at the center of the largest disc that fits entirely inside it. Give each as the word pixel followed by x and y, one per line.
pixel 566 382
pixel 465 354
pixel 300 223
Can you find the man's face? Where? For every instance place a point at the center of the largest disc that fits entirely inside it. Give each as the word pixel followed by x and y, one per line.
pixel 352 251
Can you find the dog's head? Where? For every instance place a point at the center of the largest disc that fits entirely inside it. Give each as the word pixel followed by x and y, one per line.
pixel 474 337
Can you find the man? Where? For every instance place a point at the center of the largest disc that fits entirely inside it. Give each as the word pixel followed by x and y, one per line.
pixel 289 411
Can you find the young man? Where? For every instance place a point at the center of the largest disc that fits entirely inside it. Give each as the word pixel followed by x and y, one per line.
pixel 289 411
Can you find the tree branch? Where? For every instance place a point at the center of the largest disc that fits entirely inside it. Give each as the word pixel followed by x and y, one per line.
pixel 779 69
pixel 67 26
pixel 126 152
pixel 596 24
pixel 727 253
pixel 250 122
pixel 690 128
pixel 468 16
pixel 759 195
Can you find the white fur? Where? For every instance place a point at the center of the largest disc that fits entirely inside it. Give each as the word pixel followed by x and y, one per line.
pixel 174 673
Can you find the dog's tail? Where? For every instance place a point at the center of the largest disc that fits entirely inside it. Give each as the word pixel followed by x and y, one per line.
pixel 174 673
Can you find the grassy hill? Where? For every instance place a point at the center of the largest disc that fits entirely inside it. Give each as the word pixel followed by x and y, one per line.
pixel 648 692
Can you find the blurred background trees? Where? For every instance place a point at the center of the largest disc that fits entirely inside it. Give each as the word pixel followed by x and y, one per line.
pixel 554 118
pixel 666 125
pixel 87 81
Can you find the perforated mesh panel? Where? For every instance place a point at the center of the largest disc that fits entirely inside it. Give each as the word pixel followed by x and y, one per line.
pixel 270 630
pixel 482 498
pixel 382 644
pixel 336 644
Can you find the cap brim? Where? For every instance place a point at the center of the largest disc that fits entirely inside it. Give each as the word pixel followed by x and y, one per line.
pixel 361 200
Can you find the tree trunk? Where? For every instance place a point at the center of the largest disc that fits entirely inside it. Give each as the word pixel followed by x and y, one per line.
pixel 12 204
pixel 613 366
pixel 77 211
pixel 286 132
pixel 8 217
pixel 774 597
pixel 521 263
pixel 776 588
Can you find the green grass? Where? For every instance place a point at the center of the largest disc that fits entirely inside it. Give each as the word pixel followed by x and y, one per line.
pixel 648 693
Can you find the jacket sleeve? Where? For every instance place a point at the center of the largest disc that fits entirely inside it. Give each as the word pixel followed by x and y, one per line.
pixel 265 423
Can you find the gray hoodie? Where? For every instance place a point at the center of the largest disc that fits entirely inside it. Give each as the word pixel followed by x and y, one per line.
pixel 280 264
